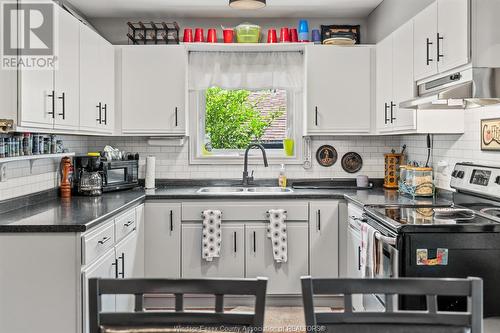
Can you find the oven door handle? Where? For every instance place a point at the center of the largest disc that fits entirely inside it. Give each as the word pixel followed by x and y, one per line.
pixel 385 239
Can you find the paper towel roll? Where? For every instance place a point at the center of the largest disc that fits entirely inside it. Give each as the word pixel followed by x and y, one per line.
pixel 150 172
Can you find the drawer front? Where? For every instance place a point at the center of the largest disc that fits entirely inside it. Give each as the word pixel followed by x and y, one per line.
pixel 125 224
pixel 97 243
pixel 246 211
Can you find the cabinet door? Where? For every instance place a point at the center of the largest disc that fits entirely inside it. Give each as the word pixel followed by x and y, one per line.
pixel 107 94
pixel 403 77
pixel 453 29
pixel 162 249
pixel 153 89
pixel 353 262
pixel 339 89
pixel 323 239
pixel 283 278
pixel 103 268
pixel 67 73
pixel 384 84
pixel 425 62
pixel 129 266
pixel 230 264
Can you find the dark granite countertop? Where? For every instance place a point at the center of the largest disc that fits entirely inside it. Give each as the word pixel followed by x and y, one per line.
pixel 79 214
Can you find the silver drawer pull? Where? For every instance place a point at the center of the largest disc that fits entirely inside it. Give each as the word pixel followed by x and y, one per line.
pixel 128 224
pixel 104 240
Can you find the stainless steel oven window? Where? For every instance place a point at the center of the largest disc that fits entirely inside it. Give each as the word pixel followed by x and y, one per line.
pixel 116 176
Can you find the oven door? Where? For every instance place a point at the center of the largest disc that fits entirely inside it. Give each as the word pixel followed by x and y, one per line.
pixel 389 268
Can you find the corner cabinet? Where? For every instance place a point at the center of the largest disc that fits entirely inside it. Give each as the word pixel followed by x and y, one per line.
pixel 153 89
pixel 442 37
pixel 339 89
pixel 97 82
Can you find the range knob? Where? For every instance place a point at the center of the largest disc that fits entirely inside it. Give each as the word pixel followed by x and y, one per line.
pixel 460 174
pixel 497 180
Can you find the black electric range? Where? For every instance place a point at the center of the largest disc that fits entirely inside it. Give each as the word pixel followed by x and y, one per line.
pixel 455 242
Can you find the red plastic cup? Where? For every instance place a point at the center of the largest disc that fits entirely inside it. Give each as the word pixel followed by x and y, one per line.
pixel 188 36
pixel 272 37
pixel 212 36
pixel 228 35
pixel 294 36
pixel 284 35
pixel 198 35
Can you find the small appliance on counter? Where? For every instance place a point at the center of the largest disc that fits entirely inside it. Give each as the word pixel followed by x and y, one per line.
pixel 416 181
pixel 98 173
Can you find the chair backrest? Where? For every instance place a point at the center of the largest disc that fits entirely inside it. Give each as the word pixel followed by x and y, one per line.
pixel 391 288
pixel 177 287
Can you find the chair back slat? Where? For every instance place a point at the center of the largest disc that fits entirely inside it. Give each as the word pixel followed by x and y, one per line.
pixel 392 289
pixel 179 288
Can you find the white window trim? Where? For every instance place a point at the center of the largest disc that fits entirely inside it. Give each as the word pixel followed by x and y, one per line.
pixel 255 157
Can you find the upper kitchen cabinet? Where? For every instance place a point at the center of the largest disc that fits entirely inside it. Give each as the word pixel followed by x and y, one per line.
pixel 441 37
pixel 395 81
pixel 97 82
pixel 153 89
pixel 339 90
pixel 50 98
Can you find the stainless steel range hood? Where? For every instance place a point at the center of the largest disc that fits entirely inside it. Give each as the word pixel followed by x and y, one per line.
pixel 474 85
pixel 471 88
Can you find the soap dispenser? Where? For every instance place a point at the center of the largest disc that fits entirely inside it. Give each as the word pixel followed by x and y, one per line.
pixel 282 177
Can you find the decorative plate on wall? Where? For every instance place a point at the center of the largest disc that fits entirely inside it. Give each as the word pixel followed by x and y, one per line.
pixel 326 156
pixel 352 162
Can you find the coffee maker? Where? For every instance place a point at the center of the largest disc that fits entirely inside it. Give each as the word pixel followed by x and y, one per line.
pixel 87 178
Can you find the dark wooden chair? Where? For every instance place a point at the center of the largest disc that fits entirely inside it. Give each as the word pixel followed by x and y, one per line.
pixel 394 320
pixel 142 320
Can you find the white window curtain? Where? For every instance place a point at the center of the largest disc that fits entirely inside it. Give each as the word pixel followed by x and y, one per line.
pixel 246 70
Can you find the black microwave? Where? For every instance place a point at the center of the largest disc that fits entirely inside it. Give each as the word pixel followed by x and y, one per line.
pixel 119 175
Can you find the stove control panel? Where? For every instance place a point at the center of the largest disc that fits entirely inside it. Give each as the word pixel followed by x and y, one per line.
pixel 480 179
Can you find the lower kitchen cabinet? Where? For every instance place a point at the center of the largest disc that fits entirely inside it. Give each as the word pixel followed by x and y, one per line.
pixel 354 251
pixel 129 266
pixel 162 250
pixel 106 268
pixel 284 278
pixel 230 264
pixel 323 239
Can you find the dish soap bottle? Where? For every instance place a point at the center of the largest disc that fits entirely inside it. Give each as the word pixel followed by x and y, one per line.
pixel 282 177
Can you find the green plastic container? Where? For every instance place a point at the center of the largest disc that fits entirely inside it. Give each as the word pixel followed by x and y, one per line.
pixel 247 33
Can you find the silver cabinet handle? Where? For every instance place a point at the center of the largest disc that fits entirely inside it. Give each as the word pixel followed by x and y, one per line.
pixel 254 242
pixel 128 224
pixel 234 241
pixel 122 273
pixel 319 220
pixel 104 240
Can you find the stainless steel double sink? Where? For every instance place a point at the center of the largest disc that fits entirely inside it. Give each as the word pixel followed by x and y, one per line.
pixel 244 190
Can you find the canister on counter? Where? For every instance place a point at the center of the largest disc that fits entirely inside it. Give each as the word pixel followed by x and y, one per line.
pixel 35 144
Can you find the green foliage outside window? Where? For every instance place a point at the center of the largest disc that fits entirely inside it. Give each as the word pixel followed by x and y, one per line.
pixel 232 121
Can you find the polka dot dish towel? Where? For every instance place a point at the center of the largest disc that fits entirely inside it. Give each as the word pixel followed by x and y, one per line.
pixel 277 233
pixel 211 239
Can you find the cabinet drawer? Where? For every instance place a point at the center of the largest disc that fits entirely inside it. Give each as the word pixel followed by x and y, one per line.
pixel 246 211
pixel 125 224
pixel 97 243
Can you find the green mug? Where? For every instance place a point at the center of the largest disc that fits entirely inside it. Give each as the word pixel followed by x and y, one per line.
pixel 288 145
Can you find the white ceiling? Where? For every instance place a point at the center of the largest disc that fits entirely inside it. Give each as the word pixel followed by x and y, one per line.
pixel 220 8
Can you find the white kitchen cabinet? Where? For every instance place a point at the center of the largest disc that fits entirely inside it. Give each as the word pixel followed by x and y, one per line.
pixel 66 75
pixel 339 89
pixel 153 89
pixel 162 254
pixel 323 239
pixel 441 37
pixel 50 98
pixel 230 264
pixel 354 250
pixel 284 278
pixel 104 268
pixel 97 82
pixel 129 266
pixel 395 81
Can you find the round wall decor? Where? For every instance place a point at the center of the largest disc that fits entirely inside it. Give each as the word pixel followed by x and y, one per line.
pixel 326 156
pixel 352 162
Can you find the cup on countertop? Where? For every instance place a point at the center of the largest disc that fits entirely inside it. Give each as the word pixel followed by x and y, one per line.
pixel 272 36
pixel 362 181
pixel 284 35
pixel 316 36
pixel 294 35
pixel 228 35
pixel 212 36
pixel 199 35
pixel 188 36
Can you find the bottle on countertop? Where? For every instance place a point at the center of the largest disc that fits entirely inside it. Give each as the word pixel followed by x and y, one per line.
pixel 282 177
pixel 66 177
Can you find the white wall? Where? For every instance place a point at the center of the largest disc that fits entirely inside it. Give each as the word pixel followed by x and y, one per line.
pixel 391 14
pixel 455 148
